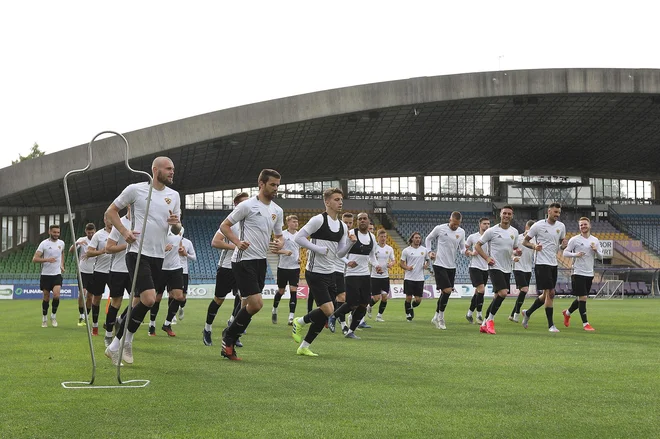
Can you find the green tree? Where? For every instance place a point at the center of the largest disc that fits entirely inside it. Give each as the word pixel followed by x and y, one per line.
pixel 34 152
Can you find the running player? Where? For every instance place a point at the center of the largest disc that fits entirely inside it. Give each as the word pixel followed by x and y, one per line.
pixel 478 271
pixel 50 254
pixel 380 275
pixel 288 269
pixel 414 260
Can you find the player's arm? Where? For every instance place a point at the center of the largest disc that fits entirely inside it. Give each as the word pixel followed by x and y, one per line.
pixel 301 238
pixel 111 246
pixel 38 259
pixel 91 249
pixel 62 264
pixel 429 240
pixel 346 242
pixel 190 252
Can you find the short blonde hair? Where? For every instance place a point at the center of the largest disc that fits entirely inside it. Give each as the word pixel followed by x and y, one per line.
pixel 584 218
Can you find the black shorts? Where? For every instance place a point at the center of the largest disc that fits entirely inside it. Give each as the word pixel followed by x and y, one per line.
pixel 148 270
pixel 170 279
pixel 340 285
pixel 358 290
pixel 321 287
pixel 185 283
pixel 444 277
pixel 98 284
pixel 380 285
pixel 522 278
pixel 250 276
pixel 581 284
pixel 478 276
pixel 87 279
pixel 48 282
pixel 119 282
pixel 225 282
pixel 413 288
pixel 500 280
pixel 546 277
pixel 286 276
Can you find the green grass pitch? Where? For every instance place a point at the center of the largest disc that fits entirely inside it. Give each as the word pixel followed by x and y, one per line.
pixel 400 380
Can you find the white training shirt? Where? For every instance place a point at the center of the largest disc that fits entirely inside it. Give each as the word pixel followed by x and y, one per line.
pixel 103 261
pixel 448 243
pixel 501 244
pixel 584 265
pixel 258 221
pixel 162 202
pixel 51 249
pixel 383 255
pixel 550 237
pixel 320 260
pixel 119 258
pixel 226 255
pixel 363 261
pixel 416 257
pixel 289 262
pixel 87 264
pixel 526 260
pixel 172 260
pixel 188 245
pixel 476 261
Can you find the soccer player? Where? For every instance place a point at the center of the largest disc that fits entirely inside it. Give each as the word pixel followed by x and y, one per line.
pixel 450 239
pixel 340 283
pixel 86 269
pixel 171 278
pixel 225 282
pixel 522 273
pixel 50 254
pixel 329 241
pixel 288 269
pixel 186 253
pixel 164 211
pixel 550 236
pixel 259 218
pixel 502 240
pixel 414 260
pixel 478 271
pixel 96 249
pixel 358 279
pixel 380 275
pixel 583 248
pixel 119 280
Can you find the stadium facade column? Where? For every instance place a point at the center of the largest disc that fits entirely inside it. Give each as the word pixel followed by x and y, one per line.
pixel 419 186
pixel 655 190
pixel 343 185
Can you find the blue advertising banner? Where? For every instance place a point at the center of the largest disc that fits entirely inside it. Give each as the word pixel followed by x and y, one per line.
pixel 33 292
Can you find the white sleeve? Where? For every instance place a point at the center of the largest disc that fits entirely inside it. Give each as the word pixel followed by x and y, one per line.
pixel 461 243
pixel 392 258
pixel 533 231
pixel 599 249
pixel 127 196
pixel 94 243
pixel 372 255
pixel 176 209
pixel 41 248
pixel 486 237
pixel 312 226
pixel 568 251
pixel 345 244
pixel 404 254
pixel 239 213
pixel 191 251
pixel 114 234
pixel 430 237
pixel 277 230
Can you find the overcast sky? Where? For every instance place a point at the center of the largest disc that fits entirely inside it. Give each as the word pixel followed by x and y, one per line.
pixel 71 69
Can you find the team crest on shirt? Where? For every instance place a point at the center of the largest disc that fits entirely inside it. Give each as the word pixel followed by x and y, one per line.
pixel 457 235
pixel 557 231
pixel 273 216
pixel 422 253
pixel 168 200
pixel 512 237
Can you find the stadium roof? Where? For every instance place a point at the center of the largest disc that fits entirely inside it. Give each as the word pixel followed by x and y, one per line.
pixel 594 122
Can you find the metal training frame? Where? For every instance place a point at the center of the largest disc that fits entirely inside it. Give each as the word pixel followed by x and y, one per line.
pixel 128 384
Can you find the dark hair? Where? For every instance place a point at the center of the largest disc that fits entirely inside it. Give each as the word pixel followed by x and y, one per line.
pixel 554 205
pixel 239 196
pixel 456 215
pixel 507 207
pixel 90 226
pixel 330 191
pixel 265 174
pixel 53 226
pixel 483 218
pixel 347 215
pixel 529 223
pixel 412 236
